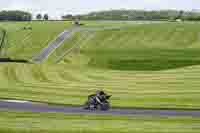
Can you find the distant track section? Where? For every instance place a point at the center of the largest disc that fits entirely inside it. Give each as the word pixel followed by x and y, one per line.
pixel 2 40
pixel 43 55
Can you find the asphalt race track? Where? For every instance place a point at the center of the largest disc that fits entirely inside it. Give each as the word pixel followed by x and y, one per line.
pixel 42 107
pixel 43 55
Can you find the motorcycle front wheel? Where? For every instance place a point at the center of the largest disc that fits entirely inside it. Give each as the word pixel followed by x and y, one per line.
pixel 105 106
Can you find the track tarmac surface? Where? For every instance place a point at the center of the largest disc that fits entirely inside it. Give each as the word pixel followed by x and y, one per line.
pixel 42 107
pixel 58 41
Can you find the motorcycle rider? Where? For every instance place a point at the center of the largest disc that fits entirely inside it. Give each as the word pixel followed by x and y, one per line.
pixel 97 101
pixel 97 98
pixel 100 96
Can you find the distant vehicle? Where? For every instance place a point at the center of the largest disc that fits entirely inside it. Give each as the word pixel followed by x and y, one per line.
pixel 178 20
pixel 27 28
pixel 98 101
pixel 77 22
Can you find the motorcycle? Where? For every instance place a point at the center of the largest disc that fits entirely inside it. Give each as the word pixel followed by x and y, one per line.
pixel 94 104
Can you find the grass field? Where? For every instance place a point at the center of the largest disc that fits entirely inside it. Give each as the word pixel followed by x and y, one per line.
pixel 24 43
pixel 146 65
pixel 151 65
pixel 22 122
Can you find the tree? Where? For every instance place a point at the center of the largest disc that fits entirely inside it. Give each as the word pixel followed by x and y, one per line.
pixel 46 17
pixel 180 15
pixel 15 16
pixel 68 17
pixel 39 16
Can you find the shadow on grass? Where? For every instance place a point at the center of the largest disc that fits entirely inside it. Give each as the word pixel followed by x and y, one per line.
pixel 150 65
pixel 9 60
pixel 143 65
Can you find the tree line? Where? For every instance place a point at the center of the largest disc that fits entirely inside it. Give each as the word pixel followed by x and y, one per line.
pixel 137 15
pixel 20 16
pixel 15 16
pixel 108 15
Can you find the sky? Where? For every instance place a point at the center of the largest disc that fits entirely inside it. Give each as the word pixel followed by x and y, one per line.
pixel 60 7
